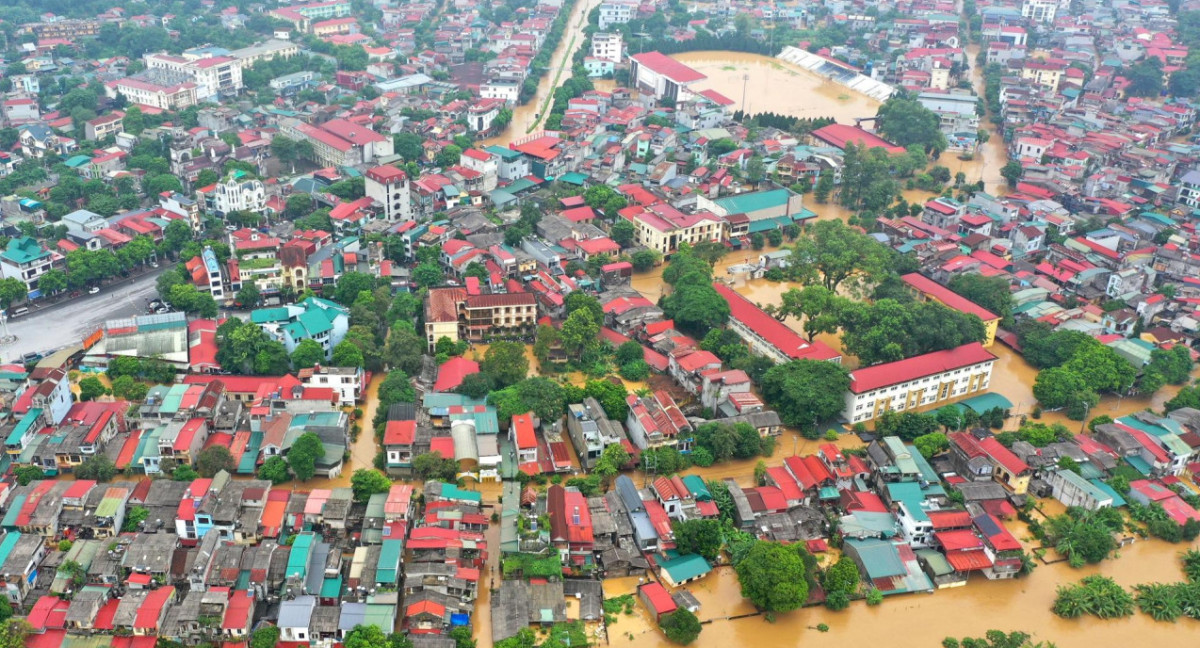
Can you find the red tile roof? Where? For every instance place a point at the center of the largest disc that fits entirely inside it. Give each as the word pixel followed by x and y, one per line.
pixel 668 67
pixel 658 598
pixel 929 364
pixel 840 135
pixel 789 342
pixel 400 433
pixel 522 425
pixel 947 297
pixel 452 372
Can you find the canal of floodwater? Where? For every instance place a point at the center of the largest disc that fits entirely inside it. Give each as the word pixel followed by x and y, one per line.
pixel 524 117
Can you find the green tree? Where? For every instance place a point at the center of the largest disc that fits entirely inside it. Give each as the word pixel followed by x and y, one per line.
pixel 1012 172
pixel 905 121
pixel 275 470
pixel 347 354
pixel 580 332
pixel 505 363
pixel 990 292
pixel 931 444
pixel 351 285
pixel 12 290
pixel 91 388
pixel 695 305
pixel 622 232
pixel 698 536
pixel 134 518
pixel 432 465
pixel 842 578
pixel 248 296
pixel 834 253
pixel 302 457
pixel 366 482
pixel 308 354
pixel 99 468
pixel 264 637
pixel 644 260
pixel 27 474
pixel 213 460
pixel 824 188
pixel 681 626
pixel 806 391
pixel 52 282
pixel 772 576
pixel 1145 78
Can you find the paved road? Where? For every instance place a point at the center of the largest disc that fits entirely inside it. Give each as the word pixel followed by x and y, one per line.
pixel 67 322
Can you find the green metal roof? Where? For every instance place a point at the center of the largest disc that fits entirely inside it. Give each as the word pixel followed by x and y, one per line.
pixel 332 587
pixel 10 518
pixel 936 561
pixel 6 545
pixel 754 201
pixel 388 571
pixel 109 506
pixel 24 249
pixel 250 457
pixel 683 568
pixel 297 565
pixel 1117 499
pixel 573 178
pixel 506 154
pixel 450 491
pixel 878 557
pixel 699 490
pixel 911 495
pixel 1138 464
pixel 23 426
pixel 985 402
pixel 266 315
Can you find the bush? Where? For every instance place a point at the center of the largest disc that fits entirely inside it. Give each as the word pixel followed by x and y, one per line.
pixel 681 627
pixel 1096 595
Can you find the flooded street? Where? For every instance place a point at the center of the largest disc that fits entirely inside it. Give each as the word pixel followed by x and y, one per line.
pixel 524 117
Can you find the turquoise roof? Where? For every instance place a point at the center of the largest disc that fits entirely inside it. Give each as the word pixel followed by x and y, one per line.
pixel 10 518
pixel 911 495
pixel 985 402
pixel 573 178
pixel 297 565
pixel 450 491
pixel 24 249
pixel 506 154
pixel 1117 499
pixel 1138 464
pixel 23 426
pixel 77 161
pixel 754 201
pixel 265 315
pixel 332 587
pixel 250 457
pixel 685 568
pixel 6 546
pixel 388 571
pixel 696 486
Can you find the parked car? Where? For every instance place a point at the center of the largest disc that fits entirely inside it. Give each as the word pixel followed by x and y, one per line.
pixel 93 290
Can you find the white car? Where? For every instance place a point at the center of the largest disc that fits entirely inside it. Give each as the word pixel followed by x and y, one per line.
pixel 93 290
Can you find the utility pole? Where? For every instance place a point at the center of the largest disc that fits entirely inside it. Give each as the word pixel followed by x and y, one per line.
pixel 745 82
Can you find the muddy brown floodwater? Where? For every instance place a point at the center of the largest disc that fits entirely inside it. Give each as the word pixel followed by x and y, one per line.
pixel 525 116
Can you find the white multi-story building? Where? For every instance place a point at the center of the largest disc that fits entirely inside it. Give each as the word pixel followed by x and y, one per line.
pixel 233 194
pixel 171 96
pixel 390 187
pixel 214 76
pixel 607 46
pixel 1040 11
pixel 206 274
pixel 25 259
pixel 509 91
pixel 347 382
pixel 930 379
pixel 616 12
pixel 265 51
